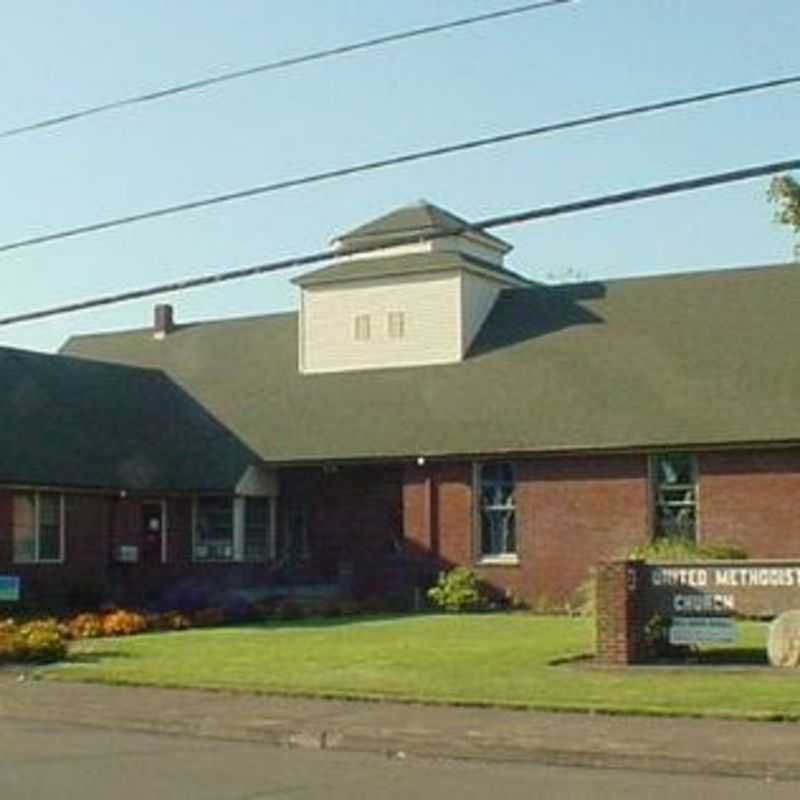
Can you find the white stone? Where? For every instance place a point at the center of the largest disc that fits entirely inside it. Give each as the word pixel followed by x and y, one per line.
pixel 783 644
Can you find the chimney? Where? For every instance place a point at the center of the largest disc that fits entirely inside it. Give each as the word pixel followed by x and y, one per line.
pixel 163 321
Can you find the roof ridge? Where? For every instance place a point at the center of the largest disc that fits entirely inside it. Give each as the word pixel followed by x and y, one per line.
pixel 62 357
pixel 178 327
pixel 702 272
pixel 419 217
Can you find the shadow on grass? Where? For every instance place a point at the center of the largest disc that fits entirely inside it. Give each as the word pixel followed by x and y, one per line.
pixel 717 657
pixel 756 656
pixel 94 656
pixel 314 622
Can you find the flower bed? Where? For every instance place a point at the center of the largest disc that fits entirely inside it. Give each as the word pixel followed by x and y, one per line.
pixel 39 642
pixel 46 640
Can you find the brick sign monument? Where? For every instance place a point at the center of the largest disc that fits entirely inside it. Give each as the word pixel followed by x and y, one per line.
pixel 700 597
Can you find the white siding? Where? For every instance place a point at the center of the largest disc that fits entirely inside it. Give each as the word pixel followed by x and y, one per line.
pixel 477 298
pixel 467 245
pixel 431 305
pixel 397 250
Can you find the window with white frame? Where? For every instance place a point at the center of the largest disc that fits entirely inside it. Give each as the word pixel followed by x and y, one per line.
pixel 233 529
pixel 496 511
pixel 674 478
pixel 38 527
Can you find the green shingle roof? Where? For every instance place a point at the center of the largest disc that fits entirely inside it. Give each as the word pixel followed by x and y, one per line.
pixel 69 422
pixel 400 266
pixel 420 219
pixel 679 361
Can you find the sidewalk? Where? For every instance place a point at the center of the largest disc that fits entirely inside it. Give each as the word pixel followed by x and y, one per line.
pixel 755 749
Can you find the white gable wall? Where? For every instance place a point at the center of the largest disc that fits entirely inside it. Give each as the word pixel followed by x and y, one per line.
pixel 432 332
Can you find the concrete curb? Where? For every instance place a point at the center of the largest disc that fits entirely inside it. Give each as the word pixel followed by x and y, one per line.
pixel 708 747
pixel 400 745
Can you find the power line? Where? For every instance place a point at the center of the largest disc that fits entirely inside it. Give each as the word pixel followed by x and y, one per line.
pixel 419 155
pixel 283 63
pixel 515 218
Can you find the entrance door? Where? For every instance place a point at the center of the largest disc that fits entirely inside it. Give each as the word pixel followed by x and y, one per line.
pixel 295 541
pixel 152 542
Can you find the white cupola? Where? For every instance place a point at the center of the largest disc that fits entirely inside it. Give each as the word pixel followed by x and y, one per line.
pixel 410 288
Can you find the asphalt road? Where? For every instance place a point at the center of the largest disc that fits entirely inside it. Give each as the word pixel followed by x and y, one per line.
pixel 39 761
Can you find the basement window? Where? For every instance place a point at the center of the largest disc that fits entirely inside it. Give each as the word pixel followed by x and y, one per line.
pixel 674 477
pixel 496 511
pixel 38 527
pixel 233 529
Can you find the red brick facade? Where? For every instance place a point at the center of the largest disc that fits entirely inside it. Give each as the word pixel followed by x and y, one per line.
pixel 571 513
pixel 619 619
pixel 353 521
pixel 574 511
pixel 87 517
pixel 751 499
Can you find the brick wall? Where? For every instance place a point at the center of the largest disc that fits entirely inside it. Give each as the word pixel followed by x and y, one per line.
pixel 618 619
pixel 85 566
pixel 574 511
pixel 570 513
pixel 355 517
pixel 751 499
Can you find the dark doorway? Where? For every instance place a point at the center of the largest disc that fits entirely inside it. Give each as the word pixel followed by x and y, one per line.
pixel 294 547
pixel 152 542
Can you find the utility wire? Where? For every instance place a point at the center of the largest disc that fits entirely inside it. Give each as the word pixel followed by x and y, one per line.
pixel 318 55
pixel 515 218
pixel 419 155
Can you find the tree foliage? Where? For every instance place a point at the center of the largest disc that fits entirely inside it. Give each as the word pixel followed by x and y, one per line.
pixel 784 191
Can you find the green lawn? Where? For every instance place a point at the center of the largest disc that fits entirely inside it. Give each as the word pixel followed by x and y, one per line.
pixel 494 659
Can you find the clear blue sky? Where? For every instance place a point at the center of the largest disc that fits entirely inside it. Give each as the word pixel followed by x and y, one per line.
pixel 535 68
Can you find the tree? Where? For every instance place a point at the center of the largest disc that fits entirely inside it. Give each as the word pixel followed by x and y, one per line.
pixel 784 191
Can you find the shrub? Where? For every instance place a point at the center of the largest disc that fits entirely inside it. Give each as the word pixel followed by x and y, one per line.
pixel 514 602
pixel 237 607
pixel 373 604
pixel 85 626
pixel 458 590
pixel 123 623
pixel 679 548
pixel 9 641
pixel 289 609
pixel 208 618
pixel 350 608
pixel 331 608
pixel 655 637
pixel 584 599
pixel 168 621
pixel 175 621
pixel 39 642
pixel 186 596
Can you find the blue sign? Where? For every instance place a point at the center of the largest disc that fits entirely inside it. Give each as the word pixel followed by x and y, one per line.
pixel 9 588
